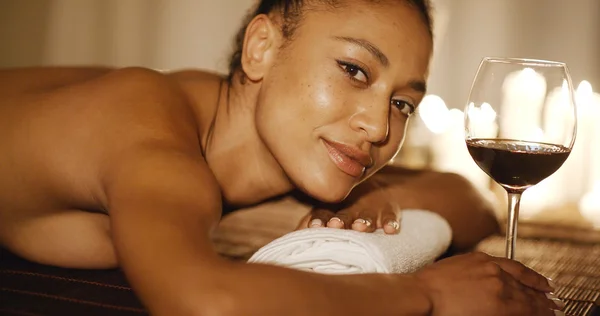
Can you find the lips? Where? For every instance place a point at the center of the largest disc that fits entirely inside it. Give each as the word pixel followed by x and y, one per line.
pixel 348 159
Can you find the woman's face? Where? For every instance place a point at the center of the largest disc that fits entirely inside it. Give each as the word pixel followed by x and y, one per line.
pixel 333 108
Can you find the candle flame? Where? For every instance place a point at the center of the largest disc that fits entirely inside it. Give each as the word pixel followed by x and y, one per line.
pixel 589 206
pixel 584 94
pixel 434 113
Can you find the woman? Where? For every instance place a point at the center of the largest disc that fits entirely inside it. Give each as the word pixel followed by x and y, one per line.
pixel 319 101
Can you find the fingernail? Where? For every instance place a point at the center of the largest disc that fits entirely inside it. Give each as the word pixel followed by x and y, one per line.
pixel 557 301
pixel 393 224
pixel 552 284
pixel 316 223
pixel 362 221
pixel 558 313
pixel 335 219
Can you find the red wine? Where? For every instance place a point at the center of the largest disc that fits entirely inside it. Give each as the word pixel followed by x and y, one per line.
pixel 515 164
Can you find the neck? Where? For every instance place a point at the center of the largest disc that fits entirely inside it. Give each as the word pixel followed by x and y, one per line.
pixel 243 166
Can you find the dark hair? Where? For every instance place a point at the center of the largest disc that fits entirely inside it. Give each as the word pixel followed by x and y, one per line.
pixel 291 15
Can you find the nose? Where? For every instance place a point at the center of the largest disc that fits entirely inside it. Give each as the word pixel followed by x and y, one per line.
pixel 373 121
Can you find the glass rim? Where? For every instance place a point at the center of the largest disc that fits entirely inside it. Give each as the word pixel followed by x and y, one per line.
pixel 524 61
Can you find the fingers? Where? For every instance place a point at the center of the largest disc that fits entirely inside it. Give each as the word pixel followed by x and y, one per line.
pixel 525 286
pixel 523 298
pixel 525 275
pixel 364 219
pixel 364 224
pixel 541 301
pixel 346 219
pixel 544 304
pixel 390 219
pixel 318 217
pixel 342 219
pixel 355 218
pixel 477 279
pixel 358 217
pixel 557 302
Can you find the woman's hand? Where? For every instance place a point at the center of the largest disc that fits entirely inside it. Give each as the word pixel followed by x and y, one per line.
pixel 479 284
pixel 370 206
pixel 376 203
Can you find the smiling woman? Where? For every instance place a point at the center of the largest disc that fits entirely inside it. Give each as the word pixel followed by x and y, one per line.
pixel 333 88
pixel 135 162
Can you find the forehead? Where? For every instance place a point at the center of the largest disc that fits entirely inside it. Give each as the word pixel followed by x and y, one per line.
pixel 395 27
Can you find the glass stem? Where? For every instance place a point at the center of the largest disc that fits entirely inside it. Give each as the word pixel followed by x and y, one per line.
pixel 514 200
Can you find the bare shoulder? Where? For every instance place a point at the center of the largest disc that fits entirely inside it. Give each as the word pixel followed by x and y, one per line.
pixel 66 136
pixel 152 130
pixel 159 178
pixel 135 104
pixel 158 150
pixel 195 74
pixel 137 83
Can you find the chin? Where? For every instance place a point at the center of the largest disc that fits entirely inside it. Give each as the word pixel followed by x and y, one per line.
pixel 329 196
pixel 327 189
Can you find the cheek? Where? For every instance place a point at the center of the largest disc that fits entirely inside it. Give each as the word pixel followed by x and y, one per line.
pixel 321 94
pixel 312 101
pixel 315 83
pixel 297 103
pixel 395 139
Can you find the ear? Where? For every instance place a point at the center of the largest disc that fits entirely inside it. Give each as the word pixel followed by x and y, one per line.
pixel 260 47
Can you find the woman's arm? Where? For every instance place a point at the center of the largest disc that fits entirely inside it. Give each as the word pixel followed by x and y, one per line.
pixel 164 204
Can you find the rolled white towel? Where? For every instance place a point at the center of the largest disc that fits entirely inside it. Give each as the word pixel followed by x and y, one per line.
pixel 423 237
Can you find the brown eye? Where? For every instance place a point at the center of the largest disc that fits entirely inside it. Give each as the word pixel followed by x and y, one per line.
pixel 404 107
pixel 354 72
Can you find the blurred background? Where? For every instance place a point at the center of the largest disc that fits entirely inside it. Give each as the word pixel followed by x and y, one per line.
pixel 171 34
pixel 174 34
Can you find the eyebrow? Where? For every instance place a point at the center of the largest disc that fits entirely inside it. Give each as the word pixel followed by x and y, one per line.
pixel 376 52
pixel 419 86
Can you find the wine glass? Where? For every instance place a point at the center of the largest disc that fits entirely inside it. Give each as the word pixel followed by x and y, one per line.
pixel 520 125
